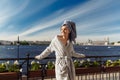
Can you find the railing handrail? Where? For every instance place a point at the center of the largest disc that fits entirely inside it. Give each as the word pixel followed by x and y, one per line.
pixel 54 57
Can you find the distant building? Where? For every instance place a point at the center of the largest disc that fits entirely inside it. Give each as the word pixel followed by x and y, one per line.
pixel 34 42
pixel 42 42
pixel 117 44
pixel 98 42
pixel 2 42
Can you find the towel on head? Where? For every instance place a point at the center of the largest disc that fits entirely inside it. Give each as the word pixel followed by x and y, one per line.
pixel 72 27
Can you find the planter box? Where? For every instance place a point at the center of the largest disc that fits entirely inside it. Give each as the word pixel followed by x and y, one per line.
pixel 33 74
pixel 88 70
pixel 9 76
pixel 112 69
pixel 50 72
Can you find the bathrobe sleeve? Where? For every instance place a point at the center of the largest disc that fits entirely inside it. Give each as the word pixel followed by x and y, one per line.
pixel 46 52
pixel 74 54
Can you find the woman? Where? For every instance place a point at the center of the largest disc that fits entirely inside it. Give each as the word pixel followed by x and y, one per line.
pixel 63 47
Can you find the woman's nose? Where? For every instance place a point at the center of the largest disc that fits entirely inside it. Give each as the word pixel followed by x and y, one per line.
pixel 62 30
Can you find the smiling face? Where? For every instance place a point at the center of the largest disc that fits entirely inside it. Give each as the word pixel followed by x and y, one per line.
pixel 65 30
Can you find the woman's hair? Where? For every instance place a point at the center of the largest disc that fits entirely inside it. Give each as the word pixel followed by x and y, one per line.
pixel 72 27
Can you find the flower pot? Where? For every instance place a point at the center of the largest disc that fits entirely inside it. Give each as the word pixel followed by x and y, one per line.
pixel 88 70
pixel 33 74
pixel 9 76
pixel 112 69
pixel 50 72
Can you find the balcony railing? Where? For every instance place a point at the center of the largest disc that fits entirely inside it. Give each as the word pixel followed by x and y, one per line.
pixel 90 73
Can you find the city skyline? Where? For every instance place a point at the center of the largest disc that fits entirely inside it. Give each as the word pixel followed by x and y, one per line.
pixel 41 19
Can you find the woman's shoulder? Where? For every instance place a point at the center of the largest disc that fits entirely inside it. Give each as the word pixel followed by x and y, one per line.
pixel 55 38
pixel 59 36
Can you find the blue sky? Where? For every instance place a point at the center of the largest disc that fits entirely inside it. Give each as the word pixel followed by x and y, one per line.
pixel 41 19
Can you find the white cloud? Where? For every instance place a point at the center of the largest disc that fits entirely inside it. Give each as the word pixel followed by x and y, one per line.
pixel 70 14
pixel 31 9
pixel 46 35
pixel 96 21
pixel 11 10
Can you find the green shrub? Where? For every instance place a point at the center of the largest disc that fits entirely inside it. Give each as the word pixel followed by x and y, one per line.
pixel 35 66
pixel 110 63
pixel 50 65
pixel 95 64
pixel 2 68
pixel 76 63
pixel 86 63
pixel 7 67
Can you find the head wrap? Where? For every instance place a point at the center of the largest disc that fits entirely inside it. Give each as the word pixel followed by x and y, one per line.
pixel 72 27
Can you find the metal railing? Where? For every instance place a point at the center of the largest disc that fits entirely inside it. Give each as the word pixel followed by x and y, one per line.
pixel 102 74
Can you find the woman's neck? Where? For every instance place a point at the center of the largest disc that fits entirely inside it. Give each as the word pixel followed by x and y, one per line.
pixel 65 37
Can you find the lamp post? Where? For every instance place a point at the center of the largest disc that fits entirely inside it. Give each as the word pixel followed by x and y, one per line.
pixel 18 43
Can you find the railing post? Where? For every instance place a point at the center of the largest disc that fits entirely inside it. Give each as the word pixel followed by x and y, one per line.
pixel 28 66
pixel 20 74
pixel 43 71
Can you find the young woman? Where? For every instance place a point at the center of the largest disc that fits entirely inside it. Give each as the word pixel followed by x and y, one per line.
pixel 63 46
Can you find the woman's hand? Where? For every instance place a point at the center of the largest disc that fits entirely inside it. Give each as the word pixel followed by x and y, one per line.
pixel 37 57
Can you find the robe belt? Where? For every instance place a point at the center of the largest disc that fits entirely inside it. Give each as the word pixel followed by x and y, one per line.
pixel 63 57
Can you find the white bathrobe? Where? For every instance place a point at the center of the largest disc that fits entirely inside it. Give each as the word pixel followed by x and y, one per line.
pixel 64 66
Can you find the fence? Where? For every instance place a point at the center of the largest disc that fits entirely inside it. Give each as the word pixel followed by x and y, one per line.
pixel 89 73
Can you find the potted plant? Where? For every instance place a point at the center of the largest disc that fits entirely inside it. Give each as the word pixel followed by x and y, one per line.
pixel 35 69
pixel 112 66
pixel 50 69
pixel 2 68
pixel 9 71
pixel 76 63
pixel 87 66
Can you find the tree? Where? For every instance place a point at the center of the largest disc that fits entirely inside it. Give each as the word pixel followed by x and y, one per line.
pixel 24 43
pixel 118 41
pixel 112 43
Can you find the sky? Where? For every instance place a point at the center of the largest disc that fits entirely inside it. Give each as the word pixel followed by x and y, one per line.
pixel 42 19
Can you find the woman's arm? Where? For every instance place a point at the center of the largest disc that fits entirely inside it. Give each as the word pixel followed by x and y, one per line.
pixel 46 52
